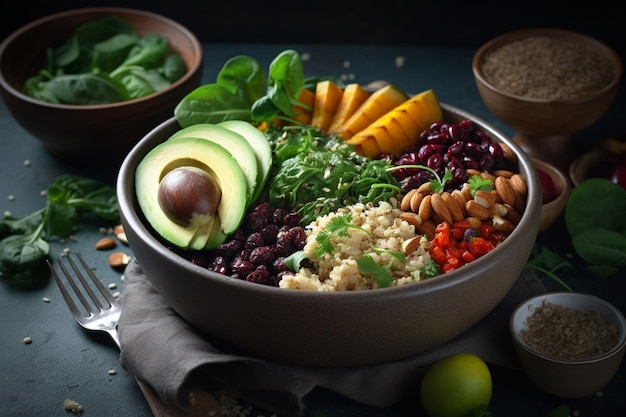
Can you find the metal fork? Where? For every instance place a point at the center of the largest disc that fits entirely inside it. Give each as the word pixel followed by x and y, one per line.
pixel 103 312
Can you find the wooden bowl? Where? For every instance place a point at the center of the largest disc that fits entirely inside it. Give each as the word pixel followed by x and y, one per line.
pixel 552 210
pixel 545 122
pixel 91 134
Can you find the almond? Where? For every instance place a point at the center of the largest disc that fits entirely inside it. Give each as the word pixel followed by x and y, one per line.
pixel 475 209
pixel 519 184
pixel 411 218
pixel 425 188
pixel 505 190
pixel 508 153
pixel 503 173
pixel 416 200
pixel 120 234
pixel 425 209
pixel 485 198
pixel 474 222
pixel 440 207
pixel 405 204
pixel 456 212
pixel 512 215
pixel 119 260
pixel 502 225
pixel 410 245
pixel 105 243
pixel 427 228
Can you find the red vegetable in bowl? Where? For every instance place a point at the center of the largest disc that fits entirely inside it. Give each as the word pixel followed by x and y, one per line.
pixel 547 185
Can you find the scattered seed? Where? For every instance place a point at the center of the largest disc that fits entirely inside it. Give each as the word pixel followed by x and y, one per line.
pixel 346 64
pixel 112 372
pixel 400 61
pixel 117 294
pixel 7 213
pixel 103 230
pixel 27 162
pixel 73 238
pixel 112 286
pixel 46 299
pixel 73 406
pixel 43 193
pixel 305 56
pixel 11 197
pixel 27 340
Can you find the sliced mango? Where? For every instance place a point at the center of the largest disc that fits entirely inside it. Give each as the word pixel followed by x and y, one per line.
pixel 353 96
pixel 327 98
pixel 304 114
pixel 377 104
pixel 400 127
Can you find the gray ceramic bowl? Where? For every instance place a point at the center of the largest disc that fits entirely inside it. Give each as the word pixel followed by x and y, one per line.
pixel 569 378
pixel 91 134
pixel 329 329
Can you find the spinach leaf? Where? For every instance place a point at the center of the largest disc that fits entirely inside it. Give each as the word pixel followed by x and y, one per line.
pixel 24 241
pixel 238 92
pixel 595 217
pixel 104 62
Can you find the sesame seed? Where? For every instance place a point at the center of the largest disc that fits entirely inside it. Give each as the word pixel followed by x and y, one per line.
pixel 46 299
pixel 27 340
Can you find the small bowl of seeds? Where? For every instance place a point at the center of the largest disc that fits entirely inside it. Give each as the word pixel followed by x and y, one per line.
pixel 547 84
pixel 569 344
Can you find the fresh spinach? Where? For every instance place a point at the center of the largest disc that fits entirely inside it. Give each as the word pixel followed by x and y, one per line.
pixel 241 92
pixel 595 217
pixel 24 241
pixel 105 61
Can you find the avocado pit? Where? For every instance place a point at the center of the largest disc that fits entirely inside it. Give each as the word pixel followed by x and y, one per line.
pixel 188 194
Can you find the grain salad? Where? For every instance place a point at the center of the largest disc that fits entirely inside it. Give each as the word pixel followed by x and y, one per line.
pixel 566 333
pixel 545 68
pixel 379 234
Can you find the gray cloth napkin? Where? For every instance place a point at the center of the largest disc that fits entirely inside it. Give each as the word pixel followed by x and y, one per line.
pixel 161 349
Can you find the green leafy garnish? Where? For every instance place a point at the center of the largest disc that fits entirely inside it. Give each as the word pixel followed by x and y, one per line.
pixel 381 274
pixel 549 263
pixel 476 182
pixel 338 225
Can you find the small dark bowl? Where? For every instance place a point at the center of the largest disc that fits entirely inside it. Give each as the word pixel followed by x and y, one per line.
pixel 91 134
pixel 329 329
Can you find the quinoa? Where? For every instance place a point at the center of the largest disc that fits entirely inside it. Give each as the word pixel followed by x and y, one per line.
pixel 566 333
pixel 338 271
pixel 541 67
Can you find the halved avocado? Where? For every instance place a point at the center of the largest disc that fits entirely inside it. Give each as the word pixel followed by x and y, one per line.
pixel 261 147
pixel 204 231
pixel 234 143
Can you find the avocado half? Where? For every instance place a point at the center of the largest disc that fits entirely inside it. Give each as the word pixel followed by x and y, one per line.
pixel 233 142
pixel 204 232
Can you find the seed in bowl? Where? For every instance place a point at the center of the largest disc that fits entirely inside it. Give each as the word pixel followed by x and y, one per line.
pixel 547 68
pixel 566 333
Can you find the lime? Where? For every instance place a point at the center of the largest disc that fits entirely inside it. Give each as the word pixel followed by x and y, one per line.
pixel 456 386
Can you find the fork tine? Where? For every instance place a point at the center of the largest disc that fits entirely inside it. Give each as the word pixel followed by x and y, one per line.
pixel 64 292
pixel 103 290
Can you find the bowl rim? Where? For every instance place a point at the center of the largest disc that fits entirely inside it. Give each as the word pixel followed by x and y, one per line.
pixel 522 311
pixel 565 186
pixel 432 284
pixel 103 10
pixel 513 35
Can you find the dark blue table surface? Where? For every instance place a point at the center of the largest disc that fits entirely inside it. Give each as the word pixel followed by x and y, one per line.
pixel 65 362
